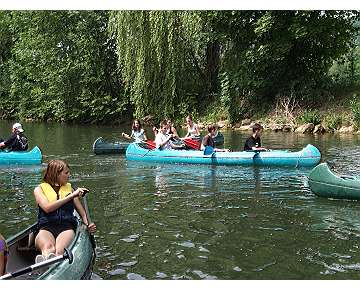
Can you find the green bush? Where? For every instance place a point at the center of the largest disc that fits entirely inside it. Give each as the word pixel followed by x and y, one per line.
pixel 309 116
pixel 355 109
pixel 333 121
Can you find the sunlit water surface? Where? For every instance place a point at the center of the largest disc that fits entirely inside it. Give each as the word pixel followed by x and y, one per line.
pixel 163 221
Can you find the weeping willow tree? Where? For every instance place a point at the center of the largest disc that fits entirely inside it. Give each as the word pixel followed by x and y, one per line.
pixel 161 58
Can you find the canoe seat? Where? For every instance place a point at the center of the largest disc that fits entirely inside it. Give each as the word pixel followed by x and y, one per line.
pixel 29 246
pixel 26 249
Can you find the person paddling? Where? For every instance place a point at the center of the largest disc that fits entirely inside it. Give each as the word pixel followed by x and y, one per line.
pixel 192 128
pixel 171 129
pixel 17 141
pixel 253 143
pixel 4 253
pixel 56 201
pixel 163 140
pixel 137 132
pixel 208 140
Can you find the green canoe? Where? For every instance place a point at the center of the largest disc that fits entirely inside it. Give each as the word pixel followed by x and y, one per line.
pixel 325 183
pixel 101 146
pixel 23 253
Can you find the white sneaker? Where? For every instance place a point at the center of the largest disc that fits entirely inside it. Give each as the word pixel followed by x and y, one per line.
pixel 39 259
pixel 50 256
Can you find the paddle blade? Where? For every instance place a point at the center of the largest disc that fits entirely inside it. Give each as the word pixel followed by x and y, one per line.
pixel 208 150
pixel 150 144
pixel 193 144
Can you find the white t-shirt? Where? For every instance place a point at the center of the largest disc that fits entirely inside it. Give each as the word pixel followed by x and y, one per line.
pixel 160 139
pixel 138 135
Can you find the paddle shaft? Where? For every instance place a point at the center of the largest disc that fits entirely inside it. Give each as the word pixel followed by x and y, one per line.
pixel 67 255
pixel 92 239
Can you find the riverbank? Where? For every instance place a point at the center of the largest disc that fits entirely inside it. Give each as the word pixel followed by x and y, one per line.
pixel 333 115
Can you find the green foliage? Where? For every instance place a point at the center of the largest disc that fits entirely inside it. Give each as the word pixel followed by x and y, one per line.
pixel 6 104
pixel 99 66
pixel 355 109
pixel 63 67
pixel 287 52
pixel 214 113
pixel 237 106
pixel 333 121
pixel 345 71
pixel 161 57
pixel 309 116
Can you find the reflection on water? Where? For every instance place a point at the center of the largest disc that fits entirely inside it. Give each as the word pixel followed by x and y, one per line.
pixel 166 221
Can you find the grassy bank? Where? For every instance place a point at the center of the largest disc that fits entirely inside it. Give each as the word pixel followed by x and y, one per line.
pixel 332 112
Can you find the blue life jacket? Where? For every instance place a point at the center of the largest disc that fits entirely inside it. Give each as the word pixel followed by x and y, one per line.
pixel 64 214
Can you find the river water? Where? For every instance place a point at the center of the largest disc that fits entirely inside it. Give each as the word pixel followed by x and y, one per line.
pixel 163 221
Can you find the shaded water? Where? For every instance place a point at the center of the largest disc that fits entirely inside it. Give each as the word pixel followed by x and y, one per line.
pixel 162 221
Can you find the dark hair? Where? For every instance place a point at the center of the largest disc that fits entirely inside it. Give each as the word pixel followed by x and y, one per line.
pixel 257 127
pixel 163 123
pixel 211 127
pixel 133 124
pixel 189 117
pixel 53 170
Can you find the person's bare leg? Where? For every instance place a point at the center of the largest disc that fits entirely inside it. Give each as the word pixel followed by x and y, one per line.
pixel 45 242
pixel 63 240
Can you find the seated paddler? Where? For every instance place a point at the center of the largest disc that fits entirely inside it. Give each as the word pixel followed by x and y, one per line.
pixel 208 140
pixel 163 140
pixel 56 200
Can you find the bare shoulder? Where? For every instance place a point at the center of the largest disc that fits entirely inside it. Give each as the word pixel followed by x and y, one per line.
pixel 38 190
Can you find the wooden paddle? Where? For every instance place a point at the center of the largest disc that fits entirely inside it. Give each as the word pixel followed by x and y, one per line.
pixel 67 255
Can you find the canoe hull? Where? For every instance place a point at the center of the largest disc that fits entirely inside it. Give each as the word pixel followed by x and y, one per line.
pixel 33 157
pixel 323 182
pixel 81 248
pixel 101 146
pixel 309 156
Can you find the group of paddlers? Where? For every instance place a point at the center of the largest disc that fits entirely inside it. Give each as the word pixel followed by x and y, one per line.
pixel 166 136
pixel 56 199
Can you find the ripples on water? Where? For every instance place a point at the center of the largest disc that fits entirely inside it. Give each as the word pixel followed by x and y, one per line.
pixel 162 221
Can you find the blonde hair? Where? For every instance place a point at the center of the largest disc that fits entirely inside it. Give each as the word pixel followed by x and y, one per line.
pixel 53 170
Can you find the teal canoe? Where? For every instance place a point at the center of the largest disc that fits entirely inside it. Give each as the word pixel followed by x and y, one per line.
pixel 33 157
pixel 323 182
pixel 307 157
pixel 23 253
pixel 101 146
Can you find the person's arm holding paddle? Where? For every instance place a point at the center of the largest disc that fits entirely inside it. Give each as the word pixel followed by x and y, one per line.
pixel 126 136
pixel 80 209
pixel 47 206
